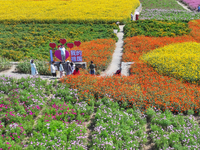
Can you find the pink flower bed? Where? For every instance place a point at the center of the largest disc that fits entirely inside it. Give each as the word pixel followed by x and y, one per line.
pixel 193 4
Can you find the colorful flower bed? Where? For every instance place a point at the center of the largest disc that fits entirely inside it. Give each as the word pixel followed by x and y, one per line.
pixel 193 4
pixel 168 14
pixel 36 116
pixel 156 28
pixel 173 131
pixel 178 60
pixel 117 129
pixel 32 40
pixel 72 11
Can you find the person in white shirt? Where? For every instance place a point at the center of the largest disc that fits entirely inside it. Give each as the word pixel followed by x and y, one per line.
pixel 53 69
pixel 61 69
pixel 62 49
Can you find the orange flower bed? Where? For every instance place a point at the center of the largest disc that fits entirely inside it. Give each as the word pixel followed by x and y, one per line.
pixel 145 87
pixel 99 51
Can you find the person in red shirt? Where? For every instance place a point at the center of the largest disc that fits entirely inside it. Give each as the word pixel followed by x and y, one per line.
pixel 76 71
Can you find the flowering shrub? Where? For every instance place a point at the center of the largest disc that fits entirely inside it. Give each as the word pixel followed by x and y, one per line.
pixel 178 60
pixel 4 64
pixel 73 11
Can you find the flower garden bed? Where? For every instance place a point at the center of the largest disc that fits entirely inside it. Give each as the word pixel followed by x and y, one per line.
pixel 36 114
pixel 73 11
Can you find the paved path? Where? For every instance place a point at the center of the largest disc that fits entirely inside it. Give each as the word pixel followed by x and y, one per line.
pixel 117 55
pixel 11 72
pixel 184 6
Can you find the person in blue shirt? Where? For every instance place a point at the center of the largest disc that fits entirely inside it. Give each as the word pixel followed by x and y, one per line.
pixel 199 8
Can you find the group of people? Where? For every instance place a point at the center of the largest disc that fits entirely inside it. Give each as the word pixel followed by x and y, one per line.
pixel 67 68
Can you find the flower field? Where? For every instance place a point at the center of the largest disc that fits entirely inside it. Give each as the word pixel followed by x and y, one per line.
pixel 156 28
pixel 36 114
pixel 32 40
pixel 178 60
pixel 67 11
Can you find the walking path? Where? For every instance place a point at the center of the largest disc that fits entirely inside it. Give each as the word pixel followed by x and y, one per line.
pixel 117 55
pixel 11 73
pixel 184 6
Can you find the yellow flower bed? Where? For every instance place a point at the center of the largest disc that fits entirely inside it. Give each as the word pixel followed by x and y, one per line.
pixel 180 60
pixel 67 10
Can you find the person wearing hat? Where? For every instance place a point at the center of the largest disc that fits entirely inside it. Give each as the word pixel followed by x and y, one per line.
pixel 92 68
pixel 68 68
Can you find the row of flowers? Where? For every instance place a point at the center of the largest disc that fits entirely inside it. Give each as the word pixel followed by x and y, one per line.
pixel 72 11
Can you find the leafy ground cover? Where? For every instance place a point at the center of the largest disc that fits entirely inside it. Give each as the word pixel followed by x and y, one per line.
pixel 156 28
pixel 32 40
pixel 73 11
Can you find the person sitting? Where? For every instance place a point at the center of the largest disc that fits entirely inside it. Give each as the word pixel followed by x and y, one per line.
pixel 76 71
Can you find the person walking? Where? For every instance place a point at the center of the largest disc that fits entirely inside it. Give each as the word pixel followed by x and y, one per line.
pixel 132 16
pixel 61 69
pixel 68 68
pixel 92 68
pixel 33 68
pixel 76 71
pixel 62 49
pixel 53 69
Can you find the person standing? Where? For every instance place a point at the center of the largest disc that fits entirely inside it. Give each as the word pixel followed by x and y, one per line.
pixel 76 71
pixel 72 66
pixel 62 49
pixel 61 69
pixel 68 68
pixel 53 69
pixel 33 68
pixel 92 68
pixel 132 16
pixel 199 8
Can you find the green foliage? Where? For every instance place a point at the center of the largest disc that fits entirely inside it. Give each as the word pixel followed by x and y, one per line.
pixel 156 28
pixel 4 64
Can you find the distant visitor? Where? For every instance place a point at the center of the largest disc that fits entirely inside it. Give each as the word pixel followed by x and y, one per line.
pixel 33 68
